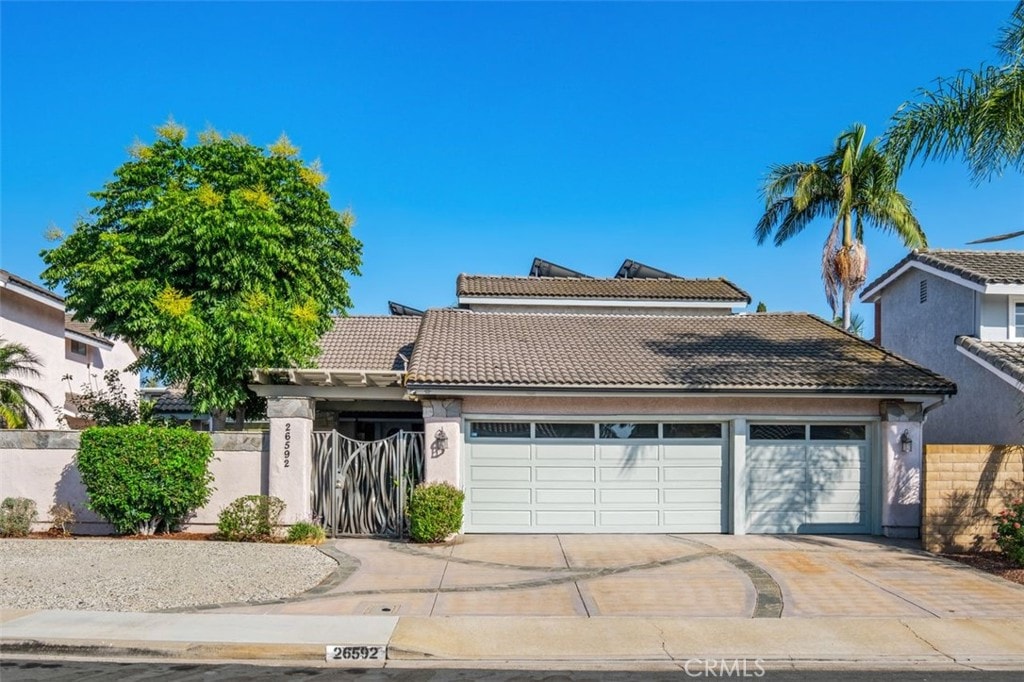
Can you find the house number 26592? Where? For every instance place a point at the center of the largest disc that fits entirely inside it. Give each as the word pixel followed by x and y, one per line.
pixel 287 445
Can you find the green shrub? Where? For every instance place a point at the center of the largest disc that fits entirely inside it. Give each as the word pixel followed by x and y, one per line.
pixel 1009 533
pixel 435 511
pixel 252 518
pixel 16 517
pixel 142 478
pixel 306 533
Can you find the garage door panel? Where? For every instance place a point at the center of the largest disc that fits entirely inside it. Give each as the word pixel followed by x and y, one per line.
pixel 628 453
pixel 504 517
pixel 837 457
pixel 558 474
pixel 775 455
pixel 625 474
pixel 711 474
pixel 565 496
pixel 635 518
pixel 630 496
pixel 501 495
pixel 708 521
pixel 568 452
pixel 500 473
pixel 836 517
pixel 702 496
pixel 512 451
pixel 701 454
pixel 562 519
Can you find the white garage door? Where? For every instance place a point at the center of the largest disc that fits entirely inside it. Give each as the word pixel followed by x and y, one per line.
pixel 586 477
pixel 808 478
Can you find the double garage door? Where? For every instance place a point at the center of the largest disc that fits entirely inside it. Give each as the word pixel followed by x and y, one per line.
pixel 663 477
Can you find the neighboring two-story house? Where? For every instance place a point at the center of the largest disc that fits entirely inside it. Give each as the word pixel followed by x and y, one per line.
pixel 961 314
pixel 73 354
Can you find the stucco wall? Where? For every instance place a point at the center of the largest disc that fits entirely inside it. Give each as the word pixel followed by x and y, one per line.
pixel 596 406
pixel 40 465
pixel 40 328
pixel 964 486
pixel 985 409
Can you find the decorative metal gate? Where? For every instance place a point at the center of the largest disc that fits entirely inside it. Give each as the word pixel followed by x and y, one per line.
pixel 361 487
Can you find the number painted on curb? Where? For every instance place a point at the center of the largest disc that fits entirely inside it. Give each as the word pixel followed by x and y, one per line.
pixel 354 654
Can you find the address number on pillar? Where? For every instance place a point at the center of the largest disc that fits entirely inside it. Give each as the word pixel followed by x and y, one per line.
pixel 287 445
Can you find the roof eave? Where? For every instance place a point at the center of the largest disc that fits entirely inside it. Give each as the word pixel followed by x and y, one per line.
pixel 415 388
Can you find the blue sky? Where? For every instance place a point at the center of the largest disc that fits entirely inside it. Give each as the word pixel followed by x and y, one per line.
pixel 473 137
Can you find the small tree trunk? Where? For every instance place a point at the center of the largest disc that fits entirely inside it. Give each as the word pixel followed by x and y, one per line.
pixel 219 420
pixel 240 418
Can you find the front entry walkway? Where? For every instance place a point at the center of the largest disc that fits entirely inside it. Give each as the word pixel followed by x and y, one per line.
pixel 658 575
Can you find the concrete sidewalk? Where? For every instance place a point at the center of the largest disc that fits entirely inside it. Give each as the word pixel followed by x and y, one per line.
pixel 526 642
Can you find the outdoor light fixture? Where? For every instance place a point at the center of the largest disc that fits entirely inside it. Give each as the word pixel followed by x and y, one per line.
pixel 906 443
pixel 440 442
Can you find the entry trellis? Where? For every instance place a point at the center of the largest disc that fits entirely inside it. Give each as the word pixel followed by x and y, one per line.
pixel 361 487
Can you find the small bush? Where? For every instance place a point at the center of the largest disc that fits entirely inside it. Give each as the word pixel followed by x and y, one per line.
pixel 142 478
pixel 435 511
pixel 306 533
pixel 16 517
pixel 62 517
pixel 253 518
pixel 1009 533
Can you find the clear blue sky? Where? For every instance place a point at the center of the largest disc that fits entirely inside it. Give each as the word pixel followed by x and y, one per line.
pixel 473 137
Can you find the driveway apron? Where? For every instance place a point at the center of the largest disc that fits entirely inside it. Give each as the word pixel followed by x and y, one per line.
pixel 711 576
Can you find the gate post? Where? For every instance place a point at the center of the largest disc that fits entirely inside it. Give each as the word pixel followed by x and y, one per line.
pixel 901 468
pixel 290 468
pixel 442 416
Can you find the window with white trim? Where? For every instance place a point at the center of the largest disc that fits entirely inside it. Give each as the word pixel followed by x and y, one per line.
pixel 1017 319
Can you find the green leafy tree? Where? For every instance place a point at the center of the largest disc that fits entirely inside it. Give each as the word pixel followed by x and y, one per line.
pixel 853 186
pixel 975 115
pixel 17 362
pixel 212 259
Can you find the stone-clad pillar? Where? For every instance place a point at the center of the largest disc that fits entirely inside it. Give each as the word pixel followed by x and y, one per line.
pixel 291 455
pixel 901 469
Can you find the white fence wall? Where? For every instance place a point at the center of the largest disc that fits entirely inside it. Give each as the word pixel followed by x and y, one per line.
pixel 40 465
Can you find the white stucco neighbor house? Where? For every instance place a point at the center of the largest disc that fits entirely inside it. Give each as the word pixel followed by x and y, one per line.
pixel 73 354
pixel 960 313
pixel 643 402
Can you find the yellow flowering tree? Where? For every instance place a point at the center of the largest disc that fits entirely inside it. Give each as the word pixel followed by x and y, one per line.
pixel 212 259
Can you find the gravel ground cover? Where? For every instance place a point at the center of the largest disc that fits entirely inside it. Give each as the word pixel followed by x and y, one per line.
pixel 125 575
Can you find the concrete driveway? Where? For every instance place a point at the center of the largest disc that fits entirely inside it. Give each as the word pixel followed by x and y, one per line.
pixel 658 575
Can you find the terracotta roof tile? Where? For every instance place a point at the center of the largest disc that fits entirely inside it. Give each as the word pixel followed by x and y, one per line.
pixel 770 351
pixel 673 289
pixel 84 328
pixel 1006 356
pixel 368 342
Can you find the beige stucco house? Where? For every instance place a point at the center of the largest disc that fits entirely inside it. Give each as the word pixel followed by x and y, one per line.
pixel 73 354
pixel 642 402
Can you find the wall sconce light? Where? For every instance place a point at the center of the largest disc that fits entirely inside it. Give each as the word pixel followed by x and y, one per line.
pixel 440 443
pixel 906 443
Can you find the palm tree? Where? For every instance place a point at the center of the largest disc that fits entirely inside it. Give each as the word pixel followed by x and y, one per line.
pixel 16 412
pixel 854 185
pixel 976 115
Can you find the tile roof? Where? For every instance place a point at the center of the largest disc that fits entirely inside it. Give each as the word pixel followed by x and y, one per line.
pixel 672 289
pixel 981 267
pixel 84 328
pixel 758 352
pixel 172 401
pixel 368 342
pixel 1006 356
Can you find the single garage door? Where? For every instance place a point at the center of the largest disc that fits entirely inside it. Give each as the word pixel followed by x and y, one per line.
pixel 595 477
pixel 808 478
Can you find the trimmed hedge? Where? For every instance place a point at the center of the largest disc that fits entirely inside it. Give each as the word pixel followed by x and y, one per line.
pixel 144 478
pixel 251 518
pixel 435 511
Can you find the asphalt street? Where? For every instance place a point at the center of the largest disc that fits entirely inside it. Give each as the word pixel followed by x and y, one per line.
pixel 21 670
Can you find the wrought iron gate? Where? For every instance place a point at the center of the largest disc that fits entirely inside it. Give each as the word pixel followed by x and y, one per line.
pixel 361 487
